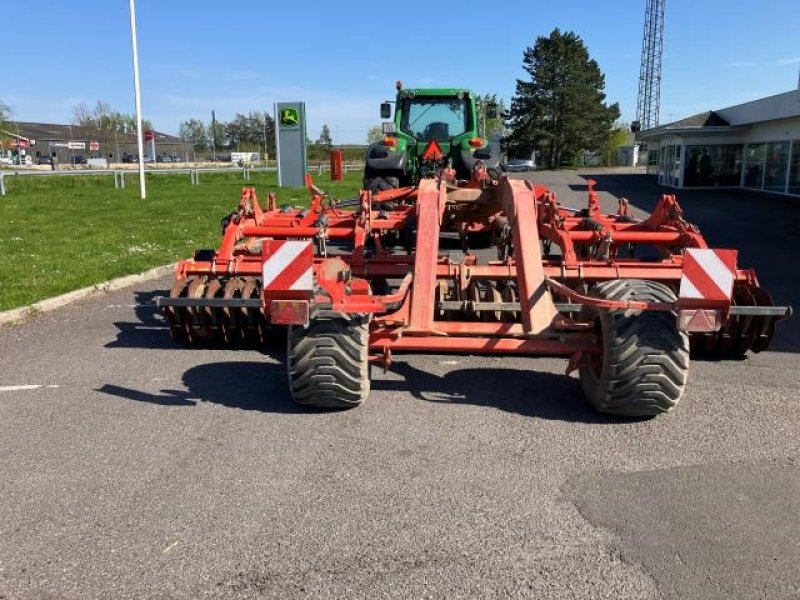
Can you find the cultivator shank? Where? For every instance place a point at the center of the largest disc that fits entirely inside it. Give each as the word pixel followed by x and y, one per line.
pixel 367 277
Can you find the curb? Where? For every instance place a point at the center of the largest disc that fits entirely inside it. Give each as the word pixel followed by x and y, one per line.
pixel 50 304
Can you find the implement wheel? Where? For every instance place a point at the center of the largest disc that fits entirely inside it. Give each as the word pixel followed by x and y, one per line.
pixel 328 360
pixel 645 360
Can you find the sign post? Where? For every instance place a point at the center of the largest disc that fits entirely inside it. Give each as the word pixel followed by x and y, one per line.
pixel 290 142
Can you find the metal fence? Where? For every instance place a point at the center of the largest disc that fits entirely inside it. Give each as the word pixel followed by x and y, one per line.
pixel 194 174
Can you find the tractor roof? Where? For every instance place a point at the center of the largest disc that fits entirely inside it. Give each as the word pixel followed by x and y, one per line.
pixel 438 91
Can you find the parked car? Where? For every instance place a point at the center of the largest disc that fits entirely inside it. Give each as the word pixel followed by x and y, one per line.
pixel 164 158
pixel 518 165
pixel 45 160
pixel 129 158
pixel 78 159
pixel 6 160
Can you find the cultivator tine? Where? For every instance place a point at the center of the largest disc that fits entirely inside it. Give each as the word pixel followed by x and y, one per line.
pixel 176 315
pixel 766 325
pixel 197 329
pixel 230 321
pixel 740 332
pixel 213 314
pixel 509 295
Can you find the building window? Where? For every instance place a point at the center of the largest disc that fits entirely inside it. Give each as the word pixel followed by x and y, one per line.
pixel 794 173
pixel 670 171
pixel 754 165
pixel 775 168
pixel 713 165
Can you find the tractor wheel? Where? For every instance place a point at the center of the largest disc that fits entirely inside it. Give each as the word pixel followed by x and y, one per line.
pixel 379 184
pixel 645 359
pixel 328 360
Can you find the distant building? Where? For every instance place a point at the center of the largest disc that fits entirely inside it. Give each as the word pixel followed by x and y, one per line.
pixel 66 142
pixel 755 145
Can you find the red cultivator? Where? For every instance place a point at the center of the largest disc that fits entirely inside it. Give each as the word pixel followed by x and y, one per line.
pixel 359 280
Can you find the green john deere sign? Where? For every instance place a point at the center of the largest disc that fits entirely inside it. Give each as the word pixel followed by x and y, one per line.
pixel 290 117
pixel 290 142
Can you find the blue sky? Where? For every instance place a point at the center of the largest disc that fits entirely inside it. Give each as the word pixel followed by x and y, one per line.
pixel 342 58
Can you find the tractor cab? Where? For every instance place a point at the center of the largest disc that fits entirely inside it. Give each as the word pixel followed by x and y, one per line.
pixel 428 124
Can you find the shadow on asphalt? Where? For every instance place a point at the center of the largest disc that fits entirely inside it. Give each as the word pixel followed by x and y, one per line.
pixel 261 386
pixel 526 392
pixel 247 385
pixel 149 330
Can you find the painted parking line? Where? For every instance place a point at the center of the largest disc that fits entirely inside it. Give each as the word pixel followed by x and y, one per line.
pixel 20 388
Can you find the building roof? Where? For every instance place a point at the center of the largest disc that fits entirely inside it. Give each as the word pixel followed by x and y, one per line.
pixel 739 116
pixel 53 131
pixel 779 106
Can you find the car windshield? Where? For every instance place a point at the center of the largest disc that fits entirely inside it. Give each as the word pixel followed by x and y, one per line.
pixel 432 118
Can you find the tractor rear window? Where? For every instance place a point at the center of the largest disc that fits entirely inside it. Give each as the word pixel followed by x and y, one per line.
pixel 431 118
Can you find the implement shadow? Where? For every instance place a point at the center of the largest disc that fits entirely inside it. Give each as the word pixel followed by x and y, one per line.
pixel 246 385
pixel 525 392
pixel 149 330
pixel 764 228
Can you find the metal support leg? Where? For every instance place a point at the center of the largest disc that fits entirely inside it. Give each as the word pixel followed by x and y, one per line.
pixel 430 204
pixel 538 308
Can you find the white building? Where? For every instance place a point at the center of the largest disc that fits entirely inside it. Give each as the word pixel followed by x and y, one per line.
pixel 755 145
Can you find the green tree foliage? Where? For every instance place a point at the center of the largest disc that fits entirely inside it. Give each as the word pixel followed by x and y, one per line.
pixel 562 109
pixel 247 132
pixel 5 115
pixel 242 133
pixel 216 134
pixel 374 134
pixel 618 137
pixel 495 125
pixel 103 116
pixel 325 142
pixel 194 132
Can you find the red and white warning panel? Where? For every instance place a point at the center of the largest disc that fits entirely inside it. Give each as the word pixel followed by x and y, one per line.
pixel 707 281
pixel 288 266
pixel 708 274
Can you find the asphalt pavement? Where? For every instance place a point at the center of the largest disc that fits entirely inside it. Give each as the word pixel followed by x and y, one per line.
pixel 132 467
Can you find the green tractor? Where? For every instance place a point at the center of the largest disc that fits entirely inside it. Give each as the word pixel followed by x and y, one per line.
pixel 432 129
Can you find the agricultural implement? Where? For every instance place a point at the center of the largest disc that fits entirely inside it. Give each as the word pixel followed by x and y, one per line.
pixel 357 281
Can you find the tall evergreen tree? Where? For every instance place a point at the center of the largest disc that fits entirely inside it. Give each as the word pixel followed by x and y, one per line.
pixel 562 109
pixel 325 141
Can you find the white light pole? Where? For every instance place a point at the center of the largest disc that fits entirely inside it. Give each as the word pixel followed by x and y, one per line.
pixel 138 95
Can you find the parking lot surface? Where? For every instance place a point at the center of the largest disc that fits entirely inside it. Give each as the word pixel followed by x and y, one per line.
pixel 133 467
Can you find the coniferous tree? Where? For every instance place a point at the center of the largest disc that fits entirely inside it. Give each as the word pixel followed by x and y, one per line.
pixel 562 109
pixel 325 141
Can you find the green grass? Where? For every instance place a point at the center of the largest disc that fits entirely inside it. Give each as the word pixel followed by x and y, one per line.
pixel 59 234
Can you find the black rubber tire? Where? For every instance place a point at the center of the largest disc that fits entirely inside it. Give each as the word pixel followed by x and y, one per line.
pixel 327 361
pixel 379 184
pixel 645 359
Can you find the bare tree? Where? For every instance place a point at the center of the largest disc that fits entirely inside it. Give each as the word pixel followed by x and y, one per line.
pixel 82 114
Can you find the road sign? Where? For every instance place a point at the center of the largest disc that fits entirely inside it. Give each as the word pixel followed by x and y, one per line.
pixel 94 145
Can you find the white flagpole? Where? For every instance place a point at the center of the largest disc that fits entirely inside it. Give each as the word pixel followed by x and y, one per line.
pixel 138 95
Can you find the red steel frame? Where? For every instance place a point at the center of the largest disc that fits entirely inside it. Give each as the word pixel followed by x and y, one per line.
pixel 591 245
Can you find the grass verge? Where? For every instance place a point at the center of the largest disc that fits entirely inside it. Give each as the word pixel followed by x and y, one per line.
pixel 59 234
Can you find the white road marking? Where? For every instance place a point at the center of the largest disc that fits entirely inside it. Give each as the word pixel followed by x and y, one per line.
pixel 20 388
